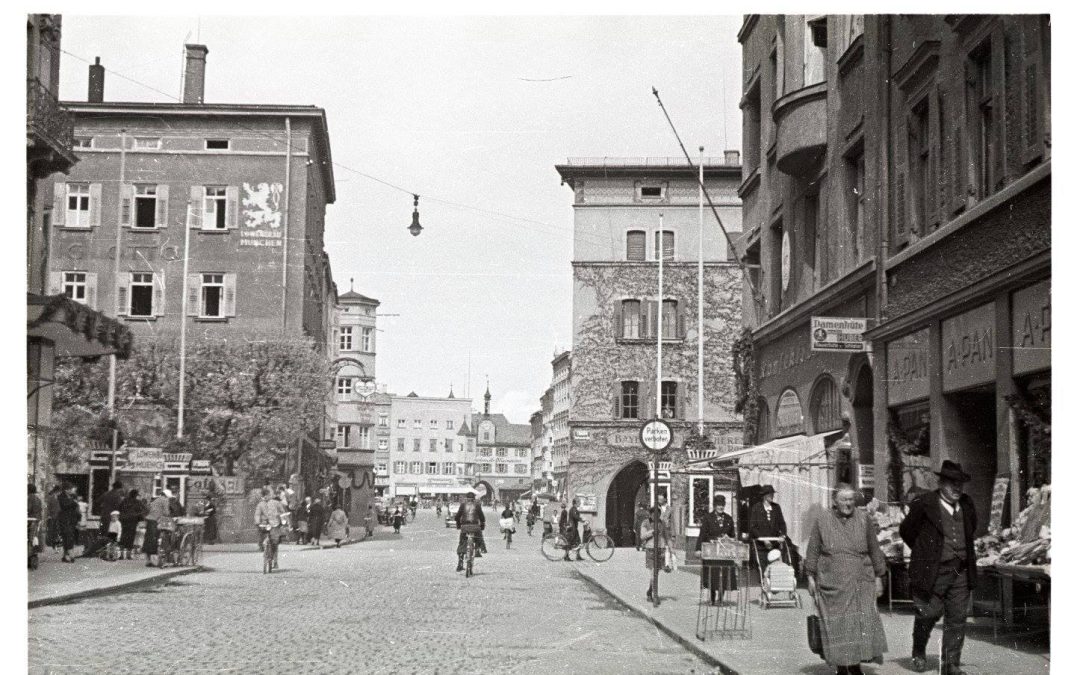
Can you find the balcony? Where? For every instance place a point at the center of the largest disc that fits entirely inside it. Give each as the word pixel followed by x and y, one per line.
pixel 801 129
pixel 50 132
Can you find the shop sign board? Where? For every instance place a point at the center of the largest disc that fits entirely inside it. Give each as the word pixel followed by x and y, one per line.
pixel 586 502
pixel 227 485
pixel 866 476
pixel 789 414
pixel 1031 329
pixel 145 460
pixel 200 467
pixel 906 361
pixel 837 334
pixel 968 349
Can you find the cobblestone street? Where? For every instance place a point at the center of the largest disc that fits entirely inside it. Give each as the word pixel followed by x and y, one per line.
pixel 388 605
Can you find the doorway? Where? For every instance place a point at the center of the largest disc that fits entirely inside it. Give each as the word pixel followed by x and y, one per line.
pixel 621 496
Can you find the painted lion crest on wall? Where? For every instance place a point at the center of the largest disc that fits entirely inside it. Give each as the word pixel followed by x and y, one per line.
pixel 262 205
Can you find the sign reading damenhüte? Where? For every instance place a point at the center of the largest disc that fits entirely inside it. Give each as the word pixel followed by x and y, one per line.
pixel 837 334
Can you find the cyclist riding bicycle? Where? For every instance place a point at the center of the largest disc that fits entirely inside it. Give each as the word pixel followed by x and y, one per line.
pixel 469 513
pixel 412 507
pixel 268 516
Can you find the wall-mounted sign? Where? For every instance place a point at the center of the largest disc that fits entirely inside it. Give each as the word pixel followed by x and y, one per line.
pixel 587 502
pixel 837 334
pixel 145 460
pixel 785 261
pixel 262 215
pixel 1031 329
pixel 967 349
pixel 866 476
pixel 789 414
pixel 906 361
pixel 581 434
pixel 656 435
pixel 200 467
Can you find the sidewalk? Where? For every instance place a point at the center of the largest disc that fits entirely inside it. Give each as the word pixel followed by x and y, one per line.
pixel 55 581
pixel 778 642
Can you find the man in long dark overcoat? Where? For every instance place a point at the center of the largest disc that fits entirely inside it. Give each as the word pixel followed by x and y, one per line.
pixel 940 530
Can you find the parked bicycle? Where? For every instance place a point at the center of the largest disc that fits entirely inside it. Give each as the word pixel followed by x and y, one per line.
pixel 596 543
pixel 168 550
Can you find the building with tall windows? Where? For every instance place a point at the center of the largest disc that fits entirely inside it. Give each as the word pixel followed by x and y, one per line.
pixel 897 172
pixel 628 213
pixel 503 455
pixel 429 455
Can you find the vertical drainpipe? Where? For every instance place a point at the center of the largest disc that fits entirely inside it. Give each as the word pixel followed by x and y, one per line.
pixel 285 228
pixel 885 171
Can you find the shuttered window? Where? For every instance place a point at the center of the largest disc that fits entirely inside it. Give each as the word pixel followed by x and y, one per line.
pixel 635 245
pixel 668 244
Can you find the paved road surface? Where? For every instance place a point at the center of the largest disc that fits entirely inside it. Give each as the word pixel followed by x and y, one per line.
pixel 389 605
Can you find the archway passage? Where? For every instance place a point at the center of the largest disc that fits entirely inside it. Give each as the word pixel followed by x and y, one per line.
pixel 621 500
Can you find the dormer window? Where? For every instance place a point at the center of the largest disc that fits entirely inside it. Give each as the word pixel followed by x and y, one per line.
pixel 651 192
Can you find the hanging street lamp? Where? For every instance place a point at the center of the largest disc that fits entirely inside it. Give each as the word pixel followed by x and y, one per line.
pixel 415 228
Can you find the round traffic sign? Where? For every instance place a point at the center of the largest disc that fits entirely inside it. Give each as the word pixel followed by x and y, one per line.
pixel 656 435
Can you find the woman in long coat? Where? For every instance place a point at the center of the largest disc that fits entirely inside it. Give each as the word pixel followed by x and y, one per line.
pixel 315 521
pixel 132 510
pixel 337 528
pixel 68 520
pixel 721 573
pixel 845 563
pixel 653 535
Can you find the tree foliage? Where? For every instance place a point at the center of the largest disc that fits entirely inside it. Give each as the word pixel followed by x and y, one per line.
pixel 243 398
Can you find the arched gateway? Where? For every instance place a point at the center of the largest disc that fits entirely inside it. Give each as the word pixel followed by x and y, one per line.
pixel 627 488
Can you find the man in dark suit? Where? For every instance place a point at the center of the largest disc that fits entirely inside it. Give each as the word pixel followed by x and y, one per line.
pixel 721 573
pixel 940 530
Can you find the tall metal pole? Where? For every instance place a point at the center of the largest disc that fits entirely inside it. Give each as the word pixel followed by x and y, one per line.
pixel 658 525
pixel 183 324
pixel 701 294
pixel 111 404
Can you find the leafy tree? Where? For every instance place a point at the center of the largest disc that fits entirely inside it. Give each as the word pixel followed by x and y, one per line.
pixel 243 398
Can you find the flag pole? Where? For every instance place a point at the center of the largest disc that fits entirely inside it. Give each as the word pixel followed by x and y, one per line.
pixel 658 524
pixel 701 294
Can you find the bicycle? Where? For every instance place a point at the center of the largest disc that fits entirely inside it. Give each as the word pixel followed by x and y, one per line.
pixel 597 545
pixel 167 549
pixel 470 530
pixel 270 550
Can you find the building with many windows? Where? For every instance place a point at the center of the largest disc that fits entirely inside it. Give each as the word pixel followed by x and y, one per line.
pixel 559 450
pixel 503 454
pixel 428 455
pixel 897 172
pixel 627 214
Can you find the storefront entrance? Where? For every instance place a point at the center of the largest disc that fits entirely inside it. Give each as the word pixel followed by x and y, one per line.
pixel 971 427
pixel 621 504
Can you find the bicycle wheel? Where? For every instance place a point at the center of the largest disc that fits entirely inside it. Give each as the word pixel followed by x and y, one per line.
pixel 184 551
pixel 470 554
pixel 162 550
pixel 600 548
pixel 268 555
pixel 550 547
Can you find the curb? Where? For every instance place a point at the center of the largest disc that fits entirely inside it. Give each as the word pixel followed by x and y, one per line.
pixel 689 645
pixel 116 588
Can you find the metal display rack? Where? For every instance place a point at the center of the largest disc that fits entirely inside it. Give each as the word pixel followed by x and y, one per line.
pixel 730 617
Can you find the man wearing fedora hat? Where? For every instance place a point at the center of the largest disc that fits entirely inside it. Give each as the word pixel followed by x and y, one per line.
pixel 940 530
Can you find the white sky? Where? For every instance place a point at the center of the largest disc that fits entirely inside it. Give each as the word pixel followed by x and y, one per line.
pixel 441 106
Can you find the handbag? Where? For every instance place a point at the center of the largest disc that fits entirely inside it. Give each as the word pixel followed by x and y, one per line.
pixel 813 633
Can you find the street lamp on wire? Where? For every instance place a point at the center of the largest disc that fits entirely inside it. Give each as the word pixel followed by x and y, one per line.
pixel 415 228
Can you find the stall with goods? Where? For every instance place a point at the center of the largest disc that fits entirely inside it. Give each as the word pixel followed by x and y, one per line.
pixel 1024 545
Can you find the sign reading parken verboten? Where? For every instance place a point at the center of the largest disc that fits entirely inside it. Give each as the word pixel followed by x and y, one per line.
pixel 837 334
pixel 656 435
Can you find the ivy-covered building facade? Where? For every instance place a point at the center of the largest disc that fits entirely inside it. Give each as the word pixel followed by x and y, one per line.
pixel 897 171
pixel 618 230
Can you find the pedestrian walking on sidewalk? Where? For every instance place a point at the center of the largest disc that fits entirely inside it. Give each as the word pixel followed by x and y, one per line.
pixel 68 520
pixel 303 520
pixel 337 528
pixel 940 530
pixel 721 575
pixel 845 566
pixel 132 510
pixel 640 516
pixel 158 517
pixel 316 516
pixel 369 521
pixel 568 525
pixel 654 535
pixel 52 513
pixel 209 513
pixel 397 519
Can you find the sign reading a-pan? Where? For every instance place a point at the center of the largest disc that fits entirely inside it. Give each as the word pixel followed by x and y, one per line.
pixel 837 334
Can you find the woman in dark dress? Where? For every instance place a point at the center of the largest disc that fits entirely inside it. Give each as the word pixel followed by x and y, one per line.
pixel 132 510
pixel 68 522
pixel 315 521
pixel 209 512
pixel 719 575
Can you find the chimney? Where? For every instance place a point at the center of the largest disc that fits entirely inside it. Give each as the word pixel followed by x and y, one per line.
pixel 96 91
pixel 195 73
pixel 731 157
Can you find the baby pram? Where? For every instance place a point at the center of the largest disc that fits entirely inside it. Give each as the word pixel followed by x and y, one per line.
pixel 779 587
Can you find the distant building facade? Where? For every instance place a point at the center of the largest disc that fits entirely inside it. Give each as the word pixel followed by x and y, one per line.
pixel 618 236
pixel 559 450
pixel 427 456
pixel 503 454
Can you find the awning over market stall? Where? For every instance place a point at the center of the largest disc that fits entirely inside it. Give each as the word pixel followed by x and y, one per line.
pixel 799 469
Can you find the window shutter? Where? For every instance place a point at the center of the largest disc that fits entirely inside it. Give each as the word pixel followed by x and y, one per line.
pixel 56 283
pixel 680 401
pixel 230 294
pixel 127 196
pixel 196 204
pixel 91 290
pixel 647 401
pixel 122 299
pixel 1031 121
pixel 650 318
pixel 162 217
pixel 159 296
pixel 680 320
pixel 232 197
pixel 194 284
pixel 935 201
pixel 901 207
pixel 618 319
pixel 95 205
pixel 59 209
pixel 617 409
pixel 635 245
pixel 958 174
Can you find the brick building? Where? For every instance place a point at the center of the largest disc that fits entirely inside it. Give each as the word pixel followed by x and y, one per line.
pixel 897 169
pixel 612 389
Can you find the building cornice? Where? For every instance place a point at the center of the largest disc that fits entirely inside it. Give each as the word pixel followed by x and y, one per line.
pixel 650 264
pixel 749 21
